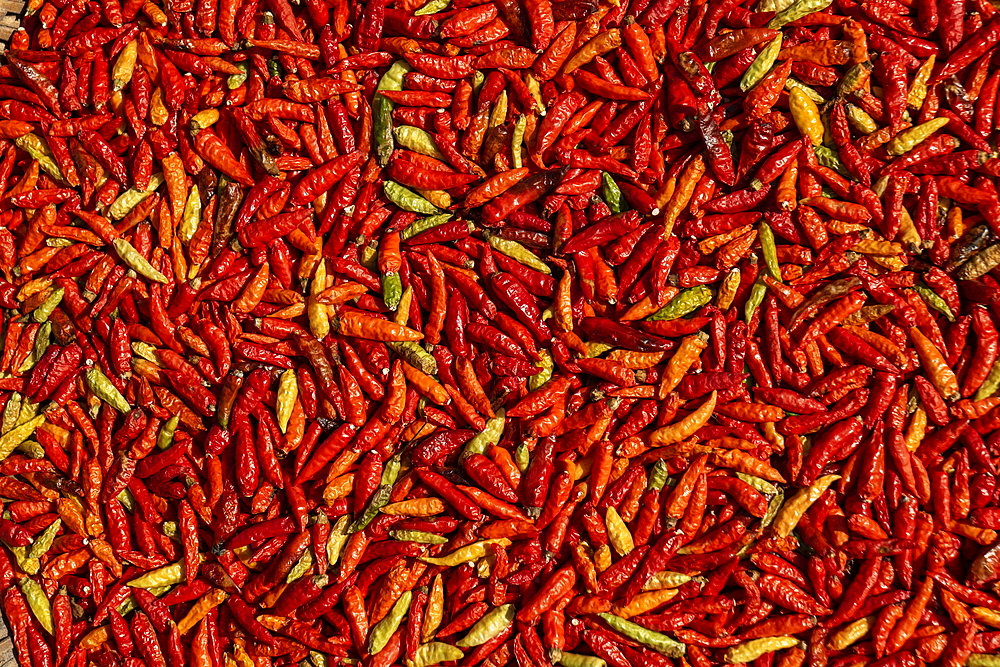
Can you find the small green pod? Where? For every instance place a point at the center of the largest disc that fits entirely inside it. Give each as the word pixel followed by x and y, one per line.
pixel 657 641
pixel 686 302
pixel 489 626
pixel 106 391
pixel 761 65
pixel 384 629
pixel 434 653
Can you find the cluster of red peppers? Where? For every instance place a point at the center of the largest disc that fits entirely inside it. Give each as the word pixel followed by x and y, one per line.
pixel 580 332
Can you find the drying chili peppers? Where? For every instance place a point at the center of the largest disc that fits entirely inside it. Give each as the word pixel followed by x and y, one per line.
pixel 577 332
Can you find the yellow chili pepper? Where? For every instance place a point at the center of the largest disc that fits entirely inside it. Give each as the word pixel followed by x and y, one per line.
pixel 168 575
pixel 753 649
pixel 793 509
pixel 852 633
pixel 618 532
pixel 467 554
pixel 806 115
pixel 912 137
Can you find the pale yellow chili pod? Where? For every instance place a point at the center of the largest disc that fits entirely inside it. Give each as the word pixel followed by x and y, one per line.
pixel 168 575
pixel 38 602
pixel 918 89
pixel 912 137
pixel 288 393
pixel 318 313
pixel 618 532
pixel 753 649
pixel 467 554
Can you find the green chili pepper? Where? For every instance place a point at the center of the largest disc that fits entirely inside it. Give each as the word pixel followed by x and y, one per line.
pixel 43 542
pixel 543 375
pixel 137 262
pixel 753 649
pixel 28 412
pixel 338 538
pixel 686 302
pixel 761 65
pixel 14 437
pixel 299 570
pixel 657 476
pixel 106 391
pixel 797 10
pixel 489 626
pixel 828 157
pixel 522 456
pixel 433 7
pixel 489 436
pixel 769 250
pixel 38 602
pixel 392 290
pixel 37 148
pixel 416 356
pixel 567 659
pixel 382 111
pixel 418 141
pixel 168 575
pixel 274 69
pixel 165 437
pixel 381 496
pixel 983 660
pixel 418 536
pixel 382 128
pixel 408 200
pixel 761 485
pixel 517 252
pixel 385 628
pixel 27 565
pixel 659 642
pixel 234 81
pixel 773 5
pixel 42 313
pixel 191 215
pixel 934 301
pixel 126 499
pixel 757 294
pixel 131 198
pixel 772 508
pixel 434 653
pixel 990 384
pixel 423 224
pixel 611 193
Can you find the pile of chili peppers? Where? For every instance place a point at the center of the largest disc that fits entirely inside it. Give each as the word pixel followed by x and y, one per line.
pixel 579 332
